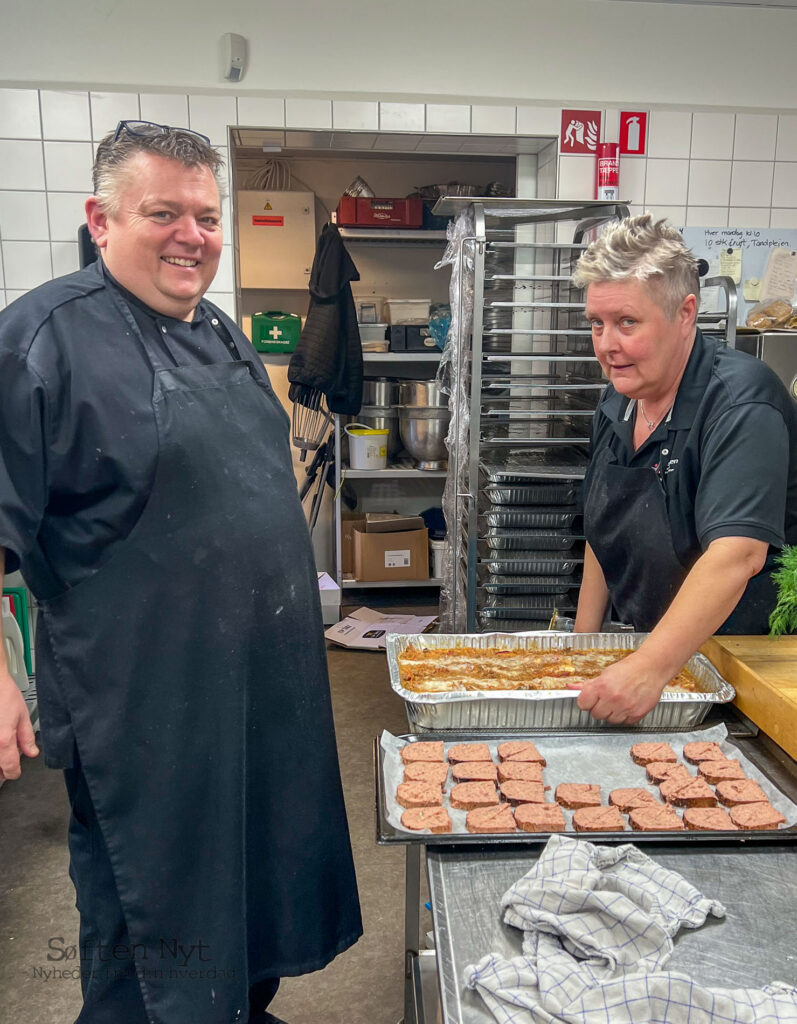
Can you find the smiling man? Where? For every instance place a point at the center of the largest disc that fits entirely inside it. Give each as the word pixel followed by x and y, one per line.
pixel 691 489
pixel 147 493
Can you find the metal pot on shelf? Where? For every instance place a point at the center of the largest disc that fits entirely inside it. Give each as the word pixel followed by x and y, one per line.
pixel 423 422
pixel 382 417
pixel 380 391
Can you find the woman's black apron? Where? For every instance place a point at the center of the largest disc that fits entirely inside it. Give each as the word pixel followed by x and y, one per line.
pixel 627 525
pixel 194 669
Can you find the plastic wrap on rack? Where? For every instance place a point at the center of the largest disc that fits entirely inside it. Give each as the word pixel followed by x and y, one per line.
pixel 452 375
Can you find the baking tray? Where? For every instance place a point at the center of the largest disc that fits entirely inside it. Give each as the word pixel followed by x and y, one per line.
pixel 533 563
pixel 528 584
pixel 533 606
pixel 541 464
pixel 532 518
pixel 531 494
pixel 599 759
pixel 499 539
pixel 514 710
pixel 514 625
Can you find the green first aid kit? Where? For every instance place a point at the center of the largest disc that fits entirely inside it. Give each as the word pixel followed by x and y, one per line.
pixel 276 332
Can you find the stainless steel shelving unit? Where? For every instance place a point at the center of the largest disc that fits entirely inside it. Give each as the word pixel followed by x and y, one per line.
pixel 533 383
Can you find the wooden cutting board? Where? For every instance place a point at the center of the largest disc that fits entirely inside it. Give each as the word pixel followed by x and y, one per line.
pixel 764 673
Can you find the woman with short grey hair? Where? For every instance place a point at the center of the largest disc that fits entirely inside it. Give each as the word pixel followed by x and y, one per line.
pixel 691 488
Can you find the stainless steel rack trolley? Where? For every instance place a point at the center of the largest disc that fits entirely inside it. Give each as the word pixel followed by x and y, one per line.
pixel 532 383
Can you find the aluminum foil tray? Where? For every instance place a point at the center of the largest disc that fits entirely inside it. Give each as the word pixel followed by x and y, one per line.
pixel 512 606
pixel 534 563
pixel 534 518
pixel 530 540
pixel 528 584
pixel 531 494
pixel 543 709
pixel 514 625
pixel 558 462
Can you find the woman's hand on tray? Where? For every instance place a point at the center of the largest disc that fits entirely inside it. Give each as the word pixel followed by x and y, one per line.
pixel 623 692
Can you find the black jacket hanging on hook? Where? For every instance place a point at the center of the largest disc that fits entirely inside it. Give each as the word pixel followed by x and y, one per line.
pixel 329 357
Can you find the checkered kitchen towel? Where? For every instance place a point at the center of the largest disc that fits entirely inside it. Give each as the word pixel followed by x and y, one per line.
pixel 597 928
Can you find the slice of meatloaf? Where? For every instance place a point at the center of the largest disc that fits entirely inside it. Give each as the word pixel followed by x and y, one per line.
pixel 697 752
pixel 436 819
pixel 720 771
pixel 540 818
pixel 578 794
pixel 423 750
pixel 426 771
pixel 655 819
pixel 516 791
pixel 627 799
pixel 688 793
pixel 644 753
pixel 491 819
pixel 520 750
pixel 708 819
pixel 760 817
pixel 658 771
pixel 419 794
pixel 598 819
pixel 464 771
pixel 469 752
pixel 740 791
pixel 468 795
pixel 525 771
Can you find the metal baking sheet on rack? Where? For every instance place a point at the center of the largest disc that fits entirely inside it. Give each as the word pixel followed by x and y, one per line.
pixel 531 494
pixel 536 519
pixel 541 464
pixel 602 759
pixel 513 539
pixel 515 710
pixel 528 584
pixel 533 563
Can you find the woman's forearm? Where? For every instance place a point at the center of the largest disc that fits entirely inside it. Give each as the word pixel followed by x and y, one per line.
pixel 593 597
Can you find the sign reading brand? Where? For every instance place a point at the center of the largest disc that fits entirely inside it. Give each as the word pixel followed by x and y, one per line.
pixel 633 132
pixel 580 131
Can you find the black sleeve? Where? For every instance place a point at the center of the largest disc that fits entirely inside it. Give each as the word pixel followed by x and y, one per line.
pixel 23 458
pixel 744 468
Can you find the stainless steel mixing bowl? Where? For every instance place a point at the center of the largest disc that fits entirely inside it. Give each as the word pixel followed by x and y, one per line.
pixel 383 418
pixel 423 430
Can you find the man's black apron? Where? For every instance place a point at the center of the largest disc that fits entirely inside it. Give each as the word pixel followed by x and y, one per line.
pixel 628 527
pixel 194 670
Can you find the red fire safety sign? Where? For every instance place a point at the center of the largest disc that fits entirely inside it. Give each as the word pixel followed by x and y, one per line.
pixel 580 131
pixel 633 132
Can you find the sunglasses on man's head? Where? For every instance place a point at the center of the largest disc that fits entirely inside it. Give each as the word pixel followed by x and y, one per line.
pixel 146 129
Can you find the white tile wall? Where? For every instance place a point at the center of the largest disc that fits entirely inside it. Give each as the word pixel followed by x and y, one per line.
pixel 669 133
pixel 67 212
pixel 576 177
pixel 109 108
pixel 21 164
pixel 707 216
pixel 23 216
pixel 667 182
pixel 538 120
pixel 632 179
pixel 223 281
pixel 211 115
pixel 748 217
pixel 66 115
pixel 19 114
pixel 712 136
pixel 260 112
pixel 164 108
pixel 66 258
pixel 674 214
pixel 783 218
pixel 755 137
pixel 225 301
pixel 308 113
pixel 488 120
pixel 709 182
pixel 26 264
pixel 68 166
pixel 352 115
pixel 784 188
pixel 447 117
pixel 402 117
pixel 751 182
pixel 787 137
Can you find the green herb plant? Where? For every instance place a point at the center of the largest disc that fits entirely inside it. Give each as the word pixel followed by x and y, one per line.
pixel 784 615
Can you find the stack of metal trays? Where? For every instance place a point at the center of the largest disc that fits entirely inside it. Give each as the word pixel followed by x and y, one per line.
pixel 531 545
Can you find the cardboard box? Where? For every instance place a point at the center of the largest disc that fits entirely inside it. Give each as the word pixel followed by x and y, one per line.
pixel 391 556
pixel 349 521
pixel 391 522
pixel 330 598
pixel 367 630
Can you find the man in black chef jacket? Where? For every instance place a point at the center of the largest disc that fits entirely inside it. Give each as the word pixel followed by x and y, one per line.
pixel 691 488
pixel 147 493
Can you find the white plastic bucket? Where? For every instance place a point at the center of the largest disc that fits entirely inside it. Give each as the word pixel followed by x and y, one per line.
pixel 438 552
pixel 15 650
pixel 367 446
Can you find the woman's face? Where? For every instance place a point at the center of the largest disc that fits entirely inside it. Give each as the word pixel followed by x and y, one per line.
pixel 640 350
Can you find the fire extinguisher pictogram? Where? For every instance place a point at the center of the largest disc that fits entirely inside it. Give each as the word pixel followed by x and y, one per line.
pixel 607 171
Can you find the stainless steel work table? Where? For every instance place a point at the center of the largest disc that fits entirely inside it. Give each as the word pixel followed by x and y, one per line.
pixel 752 946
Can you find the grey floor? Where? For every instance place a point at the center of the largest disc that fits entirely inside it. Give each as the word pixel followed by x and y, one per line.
pixel 362 986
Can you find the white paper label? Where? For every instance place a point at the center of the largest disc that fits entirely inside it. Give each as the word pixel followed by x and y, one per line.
pixel 397 559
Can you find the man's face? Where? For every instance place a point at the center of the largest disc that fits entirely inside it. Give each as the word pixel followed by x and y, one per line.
pixel 640 350
pixel 165 242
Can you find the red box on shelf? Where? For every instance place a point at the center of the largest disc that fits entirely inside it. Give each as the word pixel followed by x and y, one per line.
pixel 379 213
